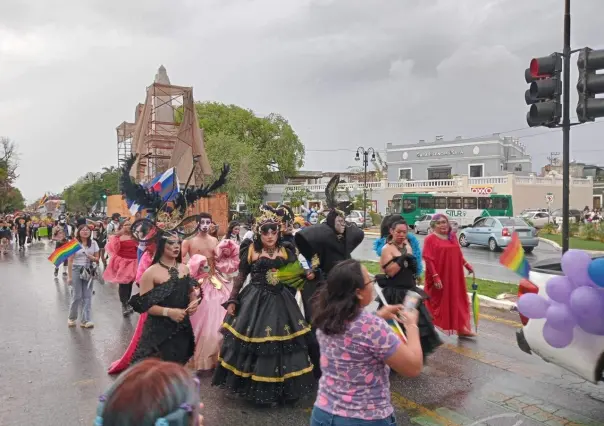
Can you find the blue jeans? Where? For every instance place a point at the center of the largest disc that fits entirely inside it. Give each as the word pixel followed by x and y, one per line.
pixel 323 418
pixel 81 294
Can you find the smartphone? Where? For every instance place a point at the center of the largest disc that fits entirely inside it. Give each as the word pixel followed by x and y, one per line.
pixel 411 301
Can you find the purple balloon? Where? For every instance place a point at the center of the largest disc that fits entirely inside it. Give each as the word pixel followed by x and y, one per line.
pixel 559 289
pixel 533 306
pixel 596 271
pixel 555 338
pixel 587 303
pixel 560 318
pixel 592 326
pixel 575 264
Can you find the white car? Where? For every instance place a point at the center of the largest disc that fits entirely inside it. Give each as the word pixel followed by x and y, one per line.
pixel 422 225
pixel 356 218
pixel 584 356
pixel 537 219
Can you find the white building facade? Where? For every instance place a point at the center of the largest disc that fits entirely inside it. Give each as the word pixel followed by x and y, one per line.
pixel 440 159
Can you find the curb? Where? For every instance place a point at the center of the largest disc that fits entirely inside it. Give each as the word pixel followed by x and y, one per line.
pixel 551 243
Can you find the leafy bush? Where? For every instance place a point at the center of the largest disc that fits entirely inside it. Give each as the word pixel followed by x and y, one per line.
pixel 376 218
pixel 589 231
pixel 549 228
pixel 574 229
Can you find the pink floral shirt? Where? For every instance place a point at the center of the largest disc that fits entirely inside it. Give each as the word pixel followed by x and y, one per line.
pixel 355 381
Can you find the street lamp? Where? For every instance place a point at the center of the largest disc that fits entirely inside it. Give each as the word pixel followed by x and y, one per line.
pixel 365 153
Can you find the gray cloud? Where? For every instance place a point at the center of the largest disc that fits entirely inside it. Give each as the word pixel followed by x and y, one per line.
pixel 344 72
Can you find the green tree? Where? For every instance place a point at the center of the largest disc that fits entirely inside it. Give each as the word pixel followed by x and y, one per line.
pixel 246 180
pixel 280 151
pixel 11 200
pixel 87 191
pixel 10 197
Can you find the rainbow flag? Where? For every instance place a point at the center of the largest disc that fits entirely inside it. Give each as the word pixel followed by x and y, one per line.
pixel 43 200
pixel 64 252
pixel 513 257
pixel 397 330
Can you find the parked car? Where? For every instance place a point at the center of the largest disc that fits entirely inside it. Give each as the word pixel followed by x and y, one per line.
pixel 532 210
pixel 356 218
pixel 584 356
pixel 422 225
pixel 574 216
pixel 496 233
pixel 537 219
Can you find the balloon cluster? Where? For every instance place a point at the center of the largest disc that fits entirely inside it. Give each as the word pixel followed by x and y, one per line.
pixel 576 299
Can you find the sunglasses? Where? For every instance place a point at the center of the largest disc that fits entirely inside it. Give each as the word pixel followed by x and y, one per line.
pixel 269 229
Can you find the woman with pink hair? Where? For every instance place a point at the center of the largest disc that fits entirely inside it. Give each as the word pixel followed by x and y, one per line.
pixel 216 289
pixel 445 279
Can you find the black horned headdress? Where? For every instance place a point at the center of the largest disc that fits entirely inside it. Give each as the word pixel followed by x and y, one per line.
pixel 164 220
pixel 331 199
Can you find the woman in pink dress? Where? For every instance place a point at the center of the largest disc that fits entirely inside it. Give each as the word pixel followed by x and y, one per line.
pixel 216 289
pixel 122 248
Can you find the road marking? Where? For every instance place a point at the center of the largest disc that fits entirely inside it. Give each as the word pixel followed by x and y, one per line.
pixel 493 318
pixel 407 405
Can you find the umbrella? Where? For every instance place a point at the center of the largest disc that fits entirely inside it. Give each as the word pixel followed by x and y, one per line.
pixel 475 302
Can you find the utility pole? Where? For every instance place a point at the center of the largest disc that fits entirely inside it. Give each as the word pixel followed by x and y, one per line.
pixel 566 128
pixel 365 154
pixel 553 158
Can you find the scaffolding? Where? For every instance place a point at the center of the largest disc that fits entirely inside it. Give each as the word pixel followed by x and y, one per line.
pixel 165 134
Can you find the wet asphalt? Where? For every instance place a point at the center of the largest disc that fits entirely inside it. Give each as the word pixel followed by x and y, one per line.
pixel 485 262
pixel 51 375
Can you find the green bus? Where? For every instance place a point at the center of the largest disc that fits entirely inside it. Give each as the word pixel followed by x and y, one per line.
pixel 462 207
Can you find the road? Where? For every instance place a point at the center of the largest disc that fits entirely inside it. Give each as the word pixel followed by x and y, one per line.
pixel 53 376
pixel 485 262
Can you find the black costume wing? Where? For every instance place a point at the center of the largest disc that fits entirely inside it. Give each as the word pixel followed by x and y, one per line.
pixel 136 192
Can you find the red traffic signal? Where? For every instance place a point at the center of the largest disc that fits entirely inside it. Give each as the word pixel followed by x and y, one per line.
pixel 545 91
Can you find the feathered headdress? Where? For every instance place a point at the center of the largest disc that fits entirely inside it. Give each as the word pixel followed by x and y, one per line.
pixel 286 213
pixel 331 197
pixel 165 220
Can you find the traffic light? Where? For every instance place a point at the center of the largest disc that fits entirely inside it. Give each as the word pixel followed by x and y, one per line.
pixel 104 194
pixel 545 91
pixel 590 84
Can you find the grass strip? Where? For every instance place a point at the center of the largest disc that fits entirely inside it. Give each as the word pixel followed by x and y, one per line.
pixel 575 243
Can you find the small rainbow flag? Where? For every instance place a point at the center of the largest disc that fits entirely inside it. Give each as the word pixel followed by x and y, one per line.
pixel 513 257
pixel 64 252
pixel 397 330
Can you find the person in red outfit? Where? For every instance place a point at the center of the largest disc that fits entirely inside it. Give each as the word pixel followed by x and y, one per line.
pixel 445 279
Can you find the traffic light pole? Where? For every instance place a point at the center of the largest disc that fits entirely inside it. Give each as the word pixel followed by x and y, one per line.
pixel 566 129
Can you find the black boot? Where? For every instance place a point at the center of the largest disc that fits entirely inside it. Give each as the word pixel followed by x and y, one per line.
pixel 125 310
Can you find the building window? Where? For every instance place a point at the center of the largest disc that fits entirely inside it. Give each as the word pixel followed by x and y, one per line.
pixel 404 174
pixel 476 170
pixel 440 173
pixel 518 168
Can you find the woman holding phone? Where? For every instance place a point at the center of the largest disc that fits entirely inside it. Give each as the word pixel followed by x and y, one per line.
pixel 399 264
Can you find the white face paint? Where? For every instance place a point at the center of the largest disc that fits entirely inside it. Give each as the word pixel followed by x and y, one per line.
pixel 314 218
pixel 205 224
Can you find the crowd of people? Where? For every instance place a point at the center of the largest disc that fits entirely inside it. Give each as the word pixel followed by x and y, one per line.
pixel 271 316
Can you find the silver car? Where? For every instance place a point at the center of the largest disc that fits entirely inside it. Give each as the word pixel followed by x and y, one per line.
pixel 356 218
pixel 496 233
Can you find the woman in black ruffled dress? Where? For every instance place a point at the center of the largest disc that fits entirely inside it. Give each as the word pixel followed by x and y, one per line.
pixel 400 267
pixel 166 294
pixel 264 356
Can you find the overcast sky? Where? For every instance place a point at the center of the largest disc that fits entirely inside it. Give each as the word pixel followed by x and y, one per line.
pixel 343 72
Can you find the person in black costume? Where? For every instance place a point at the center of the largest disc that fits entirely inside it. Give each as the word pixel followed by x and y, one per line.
pixel 400 266
pixel 327 243
pixel 166 294
pixel 264 356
